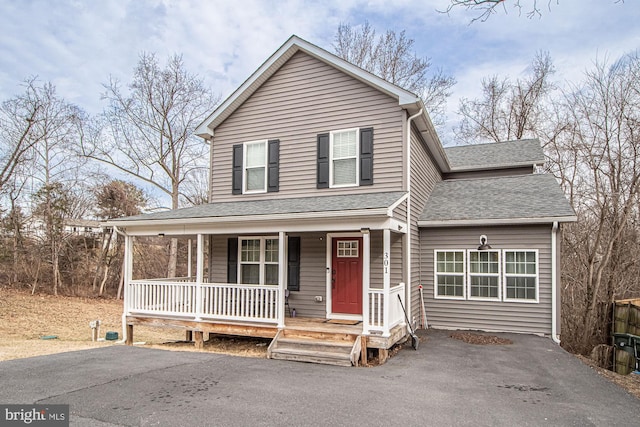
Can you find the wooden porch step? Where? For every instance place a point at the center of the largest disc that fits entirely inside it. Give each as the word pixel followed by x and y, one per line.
pixel 299 347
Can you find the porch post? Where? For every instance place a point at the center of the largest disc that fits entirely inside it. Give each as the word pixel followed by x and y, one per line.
pixel 190 243
pixel 199 273
pixel 127 268
pixel 281 277
pixel 366 270
pixel 386 279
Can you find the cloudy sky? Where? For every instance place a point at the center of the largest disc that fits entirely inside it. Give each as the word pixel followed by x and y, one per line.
pixel 78 44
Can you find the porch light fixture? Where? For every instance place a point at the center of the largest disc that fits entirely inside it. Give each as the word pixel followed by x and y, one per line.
pixel 161 234
pixel 364 230
pixel 484 245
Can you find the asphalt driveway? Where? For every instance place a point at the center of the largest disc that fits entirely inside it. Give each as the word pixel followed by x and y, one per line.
pixel 446 382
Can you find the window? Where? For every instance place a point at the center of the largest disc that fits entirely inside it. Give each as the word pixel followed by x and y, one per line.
pixel 484 274
pixel 498 275
pixel 449 270
pixel 347 249
pixel 344 158
pixel 255 167
pixel 521 275
pixel 259 260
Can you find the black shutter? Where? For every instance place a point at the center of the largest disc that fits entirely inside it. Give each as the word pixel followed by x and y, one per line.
pixel 273 179
pixel 366 156
pixel 323 160
pixel 293 265
pixel 232 260
pixel 237 169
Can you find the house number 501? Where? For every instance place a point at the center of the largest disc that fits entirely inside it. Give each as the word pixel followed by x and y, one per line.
pixel 385 263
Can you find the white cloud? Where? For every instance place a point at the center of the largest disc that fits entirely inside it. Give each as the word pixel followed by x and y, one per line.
pixel 78 44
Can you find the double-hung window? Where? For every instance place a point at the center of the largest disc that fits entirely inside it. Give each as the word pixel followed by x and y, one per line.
pixel 344 158
pixel 506 275
pixel 259 260
pixel 255 167
pixel 521 276
pixel 484 274
pixel 449 274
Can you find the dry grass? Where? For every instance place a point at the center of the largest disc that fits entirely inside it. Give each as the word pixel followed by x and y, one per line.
pixel 25 318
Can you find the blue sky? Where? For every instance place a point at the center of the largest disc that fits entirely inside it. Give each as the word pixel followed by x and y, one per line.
pixel 78 44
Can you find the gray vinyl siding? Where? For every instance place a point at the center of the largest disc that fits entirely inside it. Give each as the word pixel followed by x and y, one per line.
pixel 400 212
pixel 313 277
pixel 303 98
pixel 313 263
pixel 489 315
pixel 424 176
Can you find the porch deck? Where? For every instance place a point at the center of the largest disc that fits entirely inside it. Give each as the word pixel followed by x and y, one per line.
pixel 301 327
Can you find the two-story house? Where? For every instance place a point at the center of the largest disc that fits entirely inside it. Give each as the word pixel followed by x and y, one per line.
pixel 332 201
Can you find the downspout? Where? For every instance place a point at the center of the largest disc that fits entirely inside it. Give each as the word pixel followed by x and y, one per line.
pixel 554 284
pixel 408 239
pixel 124 294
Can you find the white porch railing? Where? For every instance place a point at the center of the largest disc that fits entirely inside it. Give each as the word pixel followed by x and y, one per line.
pixel 377 304
pixel 213 301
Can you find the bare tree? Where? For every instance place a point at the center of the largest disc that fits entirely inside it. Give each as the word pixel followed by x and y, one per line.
pixel 149 128
pixel 391 57
pixel 599 151
pixel 508 109
pixel 115 199
pixel 20 118
pixel 49 129
pixel 486 8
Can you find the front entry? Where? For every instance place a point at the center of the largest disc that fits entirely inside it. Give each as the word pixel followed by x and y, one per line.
pixel 346 275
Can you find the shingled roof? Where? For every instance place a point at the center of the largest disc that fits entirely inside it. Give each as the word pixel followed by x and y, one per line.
pixel 252 209
pixel 535 198
pixel 497 155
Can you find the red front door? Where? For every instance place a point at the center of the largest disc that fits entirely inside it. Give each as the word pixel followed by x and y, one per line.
pixel 346 275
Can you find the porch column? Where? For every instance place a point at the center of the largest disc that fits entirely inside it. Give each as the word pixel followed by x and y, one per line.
pixel 366 281
pixel 386 278
pixel 199 273
pixel 282 264
pixel 127 275
pixel 190 243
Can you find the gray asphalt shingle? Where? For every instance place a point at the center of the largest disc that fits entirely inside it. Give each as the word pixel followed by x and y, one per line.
pixel 512 197
pixel 276 206
pixel 495 155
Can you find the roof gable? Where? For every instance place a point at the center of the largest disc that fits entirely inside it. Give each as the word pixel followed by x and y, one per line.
pixel 279 58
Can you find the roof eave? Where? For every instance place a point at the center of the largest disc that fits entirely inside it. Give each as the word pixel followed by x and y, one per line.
pixel 495 221
pixel 253 217
pixel 428 132
pixel 497 166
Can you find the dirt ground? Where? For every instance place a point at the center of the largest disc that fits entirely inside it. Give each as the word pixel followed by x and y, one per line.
pixel 27 320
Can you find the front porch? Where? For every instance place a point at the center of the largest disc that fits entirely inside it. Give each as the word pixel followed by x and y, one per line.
pixel 256 311
pixel 278 270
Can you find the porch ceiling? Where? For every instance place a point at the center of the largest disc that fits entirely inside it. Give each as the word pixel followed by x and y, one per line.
pixel 343 212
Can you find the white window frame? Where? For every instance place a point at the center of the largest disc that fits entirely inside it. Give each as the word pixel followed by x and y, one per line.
pixel 505 275
pixel 496 275
pixel 262 263
pixel 357 157
pixel 436 274
pixel 245 181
